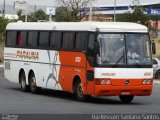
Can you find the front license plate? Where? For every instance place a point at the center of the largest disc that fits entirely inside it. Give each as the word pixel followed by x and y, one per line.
pixel 125 93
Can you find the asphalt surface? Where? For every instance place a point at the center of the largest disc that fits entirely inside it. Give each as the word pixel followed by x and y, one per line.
pixel 13 100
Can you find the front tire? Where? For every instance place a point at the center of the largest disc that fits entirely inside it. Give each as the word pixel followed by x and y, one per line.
pixel 126 99
pixel 33 87
pixel 23 85
pixel 79 92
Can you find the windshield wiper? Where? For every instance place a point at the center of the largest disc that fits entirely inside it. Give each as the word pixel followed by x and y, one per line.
pixel 123 56
pixel 119 60
pixel 134 61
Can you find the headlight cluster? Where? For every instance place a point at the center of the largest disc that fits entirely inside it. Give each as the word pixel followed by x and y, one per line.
pixel 147 82
pixel 103 82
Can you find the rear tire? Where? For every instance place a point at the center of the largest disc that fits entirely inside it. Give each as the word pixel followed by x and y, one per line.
pixel 126 99
pixel 33 87
pixel 79 92
pixel 23 85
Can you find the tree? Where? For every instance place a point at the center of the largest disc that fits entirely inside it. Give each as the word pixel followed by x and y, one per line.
pixel 74 10
pixel 138 16
pixel 61 15
pixel 20 16
pixel 38 15
pixel 19 13
pixel 3 24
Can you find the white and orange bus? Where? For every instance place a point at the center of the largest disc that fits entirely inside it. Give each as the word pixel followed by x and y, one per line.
pixel 84 58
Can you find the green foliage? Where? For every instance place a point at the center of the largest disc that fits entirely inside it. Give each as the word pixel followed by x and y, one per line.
pixel 3 24
pixel 62 15
pixel 38 15
pixel 20 17
pixel 138 16
pixel 71 10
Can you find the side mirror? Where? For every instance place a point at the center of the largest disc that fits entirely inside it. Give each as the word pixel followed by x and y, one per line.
pixel 153 48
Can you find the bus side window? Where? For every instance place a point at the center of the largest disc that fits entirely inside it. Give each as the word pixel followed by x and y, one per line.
pixel 55 40
pixel 44 39
pixel 33 39
pixel 11 38
pixel 23 39
pixel 68 41
pixel 80 40
pixel 18 38
pixel 91 49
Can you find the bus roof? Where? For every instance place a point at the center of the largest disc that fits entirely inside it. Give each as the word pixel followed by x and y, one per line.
pixel 79 26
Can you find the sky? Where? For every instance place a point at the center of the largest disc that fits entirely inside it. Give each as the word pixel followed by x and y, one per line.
pixel 32 2
pixel 44 3
pixel 97 2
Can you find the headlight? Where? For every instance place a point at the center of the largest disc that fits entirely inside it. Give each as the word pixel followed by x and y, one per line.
pixel 144 82
pixel 103 82
pixel 108 82
pixel 147 82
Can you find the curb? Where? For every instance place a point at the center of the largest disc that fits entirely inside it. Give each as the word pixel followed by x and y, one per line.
pixel 156 82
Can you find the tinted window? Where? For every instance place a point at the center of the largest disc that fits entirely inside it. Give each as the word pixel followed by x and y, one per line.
pixel 91 49
pixel 23 39
pixel 32 38
pixel 11 38
pixel 44 39
pixel 154 61
pixel 56 40
pixel 80 41
pixel 68 41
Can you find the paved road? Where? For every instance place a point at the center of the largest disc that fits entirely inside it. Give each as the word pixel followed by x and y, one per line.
pixel 13 100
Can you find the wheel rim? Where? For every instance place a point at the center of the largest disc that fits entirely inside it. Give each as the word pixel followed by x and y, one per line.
pixel 79 90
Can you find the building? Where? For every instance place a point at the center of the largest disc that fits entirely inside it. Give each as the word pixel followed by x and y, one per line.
pixel 108 7
pixel 10 16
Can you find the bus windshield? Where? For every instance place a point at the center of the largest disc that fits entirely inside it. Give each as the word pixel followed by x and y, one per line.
pixel 124 49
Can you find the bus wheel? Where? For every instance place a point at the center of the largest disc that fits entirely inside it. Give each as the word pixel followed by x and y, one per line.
pixel 33 87
pixel 79 92
pixel 24 86
pixel 126 99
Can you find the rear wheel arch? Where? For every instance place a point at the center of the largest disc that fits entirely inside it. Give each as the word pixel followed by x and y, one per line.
pixel 23 80
pixel 20 73
pixel 31 72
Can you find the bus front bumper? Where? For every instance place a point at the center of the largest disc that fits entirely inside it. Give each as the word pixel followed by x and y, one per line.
pixel 108 90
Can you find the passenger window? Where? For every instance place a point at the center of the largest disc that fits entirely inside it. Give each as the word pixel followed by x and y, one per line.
pixel 55 41
pixel 18 38
pixel 68 41
pixel 23 39
pixel 32 39
pixel 11 38
pixel 80 40
pixel 44 39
